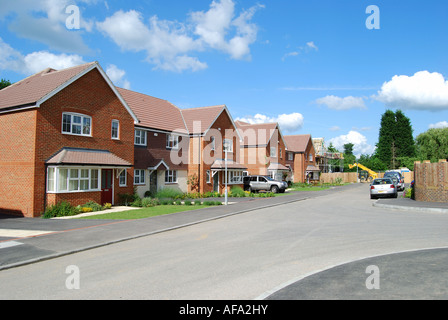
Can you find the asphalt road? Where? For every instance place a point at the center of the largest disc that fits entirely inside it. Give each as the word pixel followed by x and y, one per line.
pixel 323 244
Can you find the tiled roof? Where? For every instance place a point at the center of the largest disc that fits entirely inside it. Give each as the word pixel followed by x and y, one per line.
pixel 34 88
pixel 154 113
pixel 256 134
pixel 73 156
pixel 298 143
pixel 199 120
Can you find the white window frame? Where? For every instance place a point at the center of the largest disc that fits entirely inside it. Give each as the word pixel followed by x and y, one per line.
pixel 228 142
pixel 73 124
pixel 213 143
pixel 140 138
pixel 170 177
pixel 273 152
pixel 123 178
pixel 115 122
pixel 208 176
pixel 59 183
pixel 290 156
pixel 235 177
pixel 172 141
pixel 139 177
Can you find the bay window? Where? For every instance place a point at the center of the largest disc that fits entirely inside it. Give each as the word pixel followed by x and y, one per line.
pixel 61 180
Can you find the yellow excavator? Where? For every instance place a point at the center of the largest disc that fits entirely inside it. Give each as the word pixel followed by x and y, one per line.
pixel 372 174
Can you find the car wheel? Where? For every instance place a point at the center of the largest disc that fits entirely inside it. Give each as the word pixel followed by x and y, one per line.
pixel 396 195
pixel 274 189
pixel 372 197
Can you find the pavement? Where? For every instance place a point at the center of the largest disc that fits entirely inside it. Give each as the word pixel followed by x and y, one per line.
pixel 26 241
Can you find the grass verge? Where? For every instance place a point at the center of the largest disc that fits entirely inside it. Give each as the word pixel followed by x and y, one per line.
pixel 145 212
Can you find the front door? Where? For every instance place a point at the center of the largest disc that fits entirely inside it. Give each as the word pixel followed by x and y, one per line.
pixel 106 186
pixel 216 182
pixel 153 183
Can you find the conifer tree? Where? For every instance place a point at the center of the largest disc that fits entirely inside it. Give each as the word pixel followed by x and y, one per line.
pixel 396 139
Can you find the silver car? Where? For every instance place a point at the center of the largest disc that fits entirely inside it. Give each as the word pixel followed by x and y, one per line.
pixel 264 183
pixel 383 187
pixel 399 179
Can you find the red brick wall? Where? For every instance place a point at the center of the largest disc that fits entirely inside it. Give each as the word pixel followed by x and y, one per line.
pixel 17 136
pixel 28 139
pixel 221 125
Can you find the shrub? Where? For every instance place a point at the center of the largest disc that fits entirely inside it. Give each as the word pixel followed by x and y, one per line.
pixel 238 192
pixel 178 202
pixel 137 203
pixel 197 202
pixel 148 202
pixel 62 209
pixel 107 206
pixel 86 210
pixel 187 203
pixel 169 193
pixel 126 198
pixel 166 202
pixel 94 206
pixel 218 203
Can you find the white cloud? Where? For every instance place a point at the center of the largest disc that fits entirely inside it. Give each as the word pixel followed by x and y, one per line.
pixel 439 125
pixel 310 46
pixel 361 145
pixel 45 21
pixel 288 122
pixel 171 45
pixel 117 76
pixel 338 103
pixel 11 59
pixel 422 91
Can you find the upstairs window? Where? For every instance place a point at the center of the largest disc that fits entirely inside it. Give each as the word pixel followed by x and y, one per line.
pixel 140 138
pixel 228 145
pixel 115 130
pixel 273 152
pixel 76 124
pixel 172 141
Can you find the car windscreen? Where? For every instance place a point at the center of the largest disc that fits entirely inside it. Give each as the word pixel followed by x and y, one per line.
pixel 381 181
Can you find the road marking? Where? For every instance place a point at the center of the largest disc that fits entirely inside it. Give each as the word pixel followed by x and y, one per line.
pixel 10 233
pixel 9 244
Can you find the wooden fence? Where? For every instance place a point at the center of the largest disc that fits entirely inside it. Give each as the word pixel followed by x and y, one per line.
pixel 431 181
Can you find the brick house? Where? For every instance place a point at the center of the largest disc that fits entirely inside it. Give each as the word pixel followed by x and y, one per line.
pixel 65 136
pixel 263 150
pixel 158 137
pixel 212 133
pixel 301 157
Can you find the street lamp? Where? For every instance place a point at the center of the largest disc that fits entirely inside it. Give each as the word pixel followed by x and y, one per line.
pixel 226 149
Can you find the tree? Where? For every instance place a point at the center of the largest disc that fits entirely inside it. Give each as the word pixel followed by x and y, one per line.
pixel 4 83
pixel 396 139
pixel 349 157
pixel 433 145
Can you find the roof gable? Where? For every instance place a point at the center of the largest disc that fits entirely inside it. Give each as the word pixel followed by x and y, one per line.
pixel 298 143
pixel 42 86
pixel 261 139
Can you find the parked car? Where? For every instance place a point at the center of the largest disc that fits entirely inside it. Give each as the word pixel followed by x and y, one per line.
pixel 383 187
pixel 264 183
pixel 400 183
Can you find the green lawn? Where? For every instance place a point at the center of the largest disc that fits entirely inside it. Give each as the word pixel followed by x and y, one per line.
pixel 145 212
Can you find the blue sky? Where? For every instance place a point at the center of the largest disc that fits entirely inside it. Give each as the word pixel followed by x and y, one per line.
pixel 313 66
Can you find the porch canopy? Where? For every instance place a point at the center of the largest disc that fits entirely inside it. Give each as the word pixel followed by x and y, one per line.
pixel 312 169
pixel 87 157
pixel 278 167
pixel 220 165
